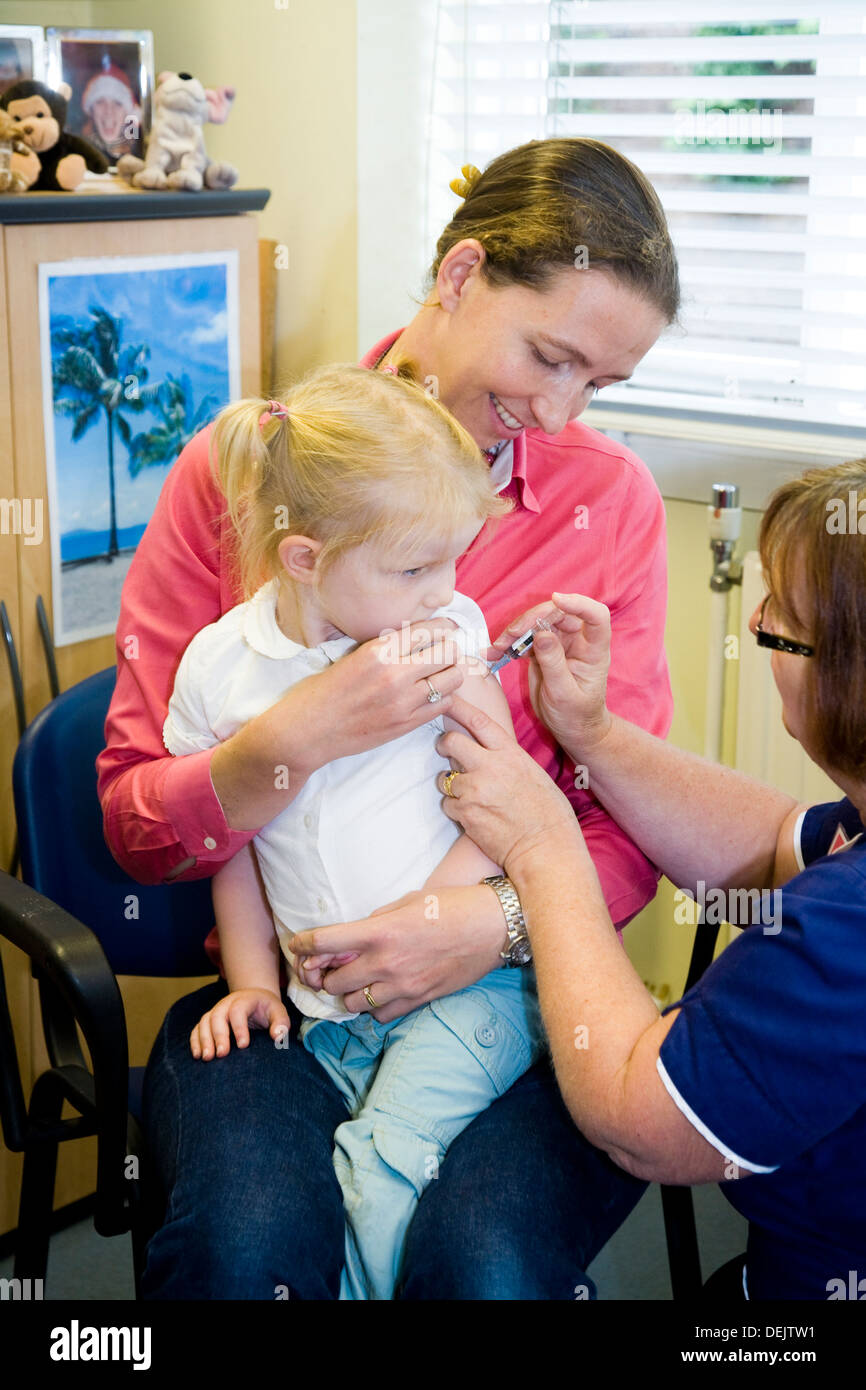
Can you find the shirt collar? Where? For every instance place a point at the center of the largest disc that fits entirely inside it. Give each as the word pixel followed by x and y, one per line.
pixel 262 632
pixel 511 463
pixel 527 497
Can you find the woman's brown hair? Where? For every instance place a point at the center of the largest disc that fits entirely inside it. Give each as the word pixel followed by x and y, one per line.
pixel 552 204
pixel 813 535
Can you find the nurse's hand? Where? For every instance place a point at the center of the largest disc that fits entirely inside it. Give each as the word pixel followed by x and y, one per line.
pixel 568 668
pixel 425 945
pixel 504 801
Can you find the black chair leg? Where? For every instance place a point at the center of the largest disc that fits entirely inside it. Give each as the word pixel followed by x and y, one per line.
pixel 726 1284
pixel 682 1241
pixel 37 1182
pixel 677 1203
pixel 703 950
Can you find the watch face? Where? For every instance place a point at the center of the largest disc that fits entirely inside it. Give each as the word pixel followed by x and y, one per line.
pixel 522 953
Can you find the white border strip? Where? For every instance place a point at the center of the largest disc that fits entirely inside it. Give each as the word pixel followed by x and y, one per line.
pixel 699 1125
pixel 798 830
pixel 114 265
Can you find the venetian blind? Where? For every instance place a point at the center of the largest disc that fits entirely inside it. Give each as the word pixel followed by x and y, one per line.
pixel 750 120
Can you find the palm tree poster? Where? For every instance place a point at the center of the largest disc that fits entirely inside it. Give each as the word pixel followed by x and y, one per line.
pixel 138 353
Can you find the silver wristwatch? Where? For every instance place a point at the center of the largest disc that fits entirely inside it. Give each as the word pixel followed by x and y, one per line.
pixel 517 950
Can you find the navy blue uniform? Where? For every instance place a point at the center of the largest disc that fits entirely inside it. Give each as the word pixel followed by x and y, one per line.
pixel 768 1060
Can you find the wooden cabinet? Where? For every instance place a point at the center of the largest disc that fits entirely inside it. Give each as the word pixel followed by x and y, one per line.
pixel 36 229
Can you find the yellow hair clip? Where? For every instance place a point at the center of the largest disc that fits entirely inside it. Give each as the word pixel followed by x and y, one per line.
pixel 463 187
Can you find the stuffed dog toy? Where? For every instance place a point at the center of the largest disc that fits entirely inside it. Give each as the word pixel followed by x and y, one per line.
pixel 176 157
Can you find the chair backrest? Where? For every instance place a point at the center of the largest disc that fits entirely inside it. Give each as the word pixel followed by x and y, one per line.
pixel 143 929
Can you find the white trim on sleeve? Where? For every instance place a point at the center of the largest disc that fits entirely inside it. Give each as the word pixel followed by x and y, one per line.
pixel 683 1106
pixel 798 830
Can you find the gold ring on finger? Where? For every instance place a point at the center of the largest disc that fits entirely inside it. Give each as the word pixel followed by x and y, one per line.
pixel 370 1000
pixel 435 695
pixel 447 781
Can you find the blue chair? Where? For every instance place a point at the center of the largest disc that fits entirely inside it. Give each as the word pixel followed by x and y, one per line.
pixel 82 921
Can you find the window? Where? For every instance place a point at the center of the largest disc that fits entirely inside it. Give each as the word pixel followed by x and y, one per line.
pixel 750 120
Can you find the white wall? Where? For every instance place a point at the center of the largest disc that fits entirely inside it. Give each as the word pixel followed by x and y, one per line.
pixel 395 59
pixel 292 129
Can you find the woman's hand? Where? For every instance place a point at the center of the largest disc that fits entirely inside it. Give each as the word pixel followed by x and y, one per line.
pixel 259 1007
pixel 379 691
pixel 371 695
pixel 568 668
pixel 505 802
pixel 311 970
pixel 425 945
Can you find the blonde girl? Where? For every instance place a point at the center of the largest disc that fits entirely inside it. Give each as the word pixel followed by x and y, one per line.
pixel 352 502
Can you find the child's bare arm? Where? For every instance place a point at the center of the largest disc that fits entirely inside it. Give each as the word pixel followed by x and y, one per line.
pixel 465 863
pixel 248 940
pixel 251 955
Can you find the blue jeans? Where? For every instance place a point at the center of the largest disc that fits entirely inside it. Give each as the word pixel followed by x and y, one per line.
pixel 243 1147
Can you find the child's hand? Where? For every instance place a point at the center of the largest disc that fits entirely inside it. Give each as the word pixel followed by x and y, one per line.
pixel 311 970
pixel 259 1007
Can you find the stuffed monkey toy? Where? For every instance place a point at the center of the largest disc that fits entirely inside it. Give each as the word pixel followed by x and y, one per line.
pixel 40 115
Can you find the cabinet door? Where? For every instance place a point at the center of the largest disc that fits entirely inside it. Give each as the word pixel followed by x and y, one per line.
pixel 26 248
pixel 25 572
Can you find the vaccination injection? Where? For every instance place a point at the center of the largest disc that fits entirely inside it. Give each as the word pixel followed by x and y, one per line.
pixel 521 645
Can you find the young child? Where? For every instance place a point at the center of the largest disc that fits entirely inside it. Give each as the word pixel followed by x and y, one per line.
pixel 352 503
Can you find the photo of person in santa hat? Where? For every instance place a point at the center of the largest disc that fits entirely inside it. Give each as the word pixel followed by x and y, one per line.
pixel 112 110
pixel 110 75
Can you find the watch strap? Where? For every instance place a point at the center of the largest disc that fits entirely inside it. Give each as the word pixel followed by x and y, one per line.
pixel 517 949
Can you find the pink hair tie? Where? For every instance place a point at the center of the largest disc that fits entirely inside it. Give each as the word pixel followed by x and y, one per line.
pixel 392 371
pixel 275 411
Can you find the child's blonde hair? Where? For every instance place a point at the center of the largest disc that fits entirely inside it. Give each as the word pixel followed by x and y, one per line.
pixel 362 456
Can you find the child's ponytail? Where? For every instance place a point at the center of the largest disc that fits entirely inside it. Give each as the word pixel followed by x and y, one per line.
pixel 353 457
pixel 249 440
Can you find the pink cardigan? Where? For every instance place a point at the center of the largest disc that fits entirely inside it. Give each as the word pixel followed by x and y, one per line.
pixel 588 519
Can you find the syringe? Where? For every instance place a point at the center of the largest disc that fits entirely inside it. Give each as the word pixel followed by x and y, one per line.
pixel 521 645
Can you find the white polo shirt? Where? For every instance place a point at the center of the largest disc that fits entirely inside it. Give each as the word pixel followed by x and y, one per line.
pixel 364 829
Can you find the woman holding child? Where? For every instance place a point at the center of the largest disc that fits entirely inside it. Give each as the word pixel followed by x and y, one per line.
pixel 518 332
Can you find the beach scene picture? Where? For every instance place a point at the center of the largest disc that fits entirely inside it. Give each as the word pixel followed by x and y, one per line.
pixel 138 354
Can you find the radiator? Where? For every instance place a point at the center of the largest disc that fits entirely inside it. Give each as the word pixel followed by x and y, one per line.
pixel 764 749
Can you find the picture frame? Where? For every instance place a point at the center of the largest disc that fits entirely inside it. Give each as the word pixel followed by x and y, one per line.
pixel 22 54
pixel 110 72
pixel 166 329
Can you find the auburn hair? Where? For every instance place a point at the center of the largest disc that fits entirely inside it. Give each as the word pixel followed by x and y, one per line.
pixel 806 549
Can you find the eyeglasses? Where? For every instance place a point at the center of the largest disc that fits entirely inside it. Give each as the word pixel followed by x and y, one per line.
pixel 776 643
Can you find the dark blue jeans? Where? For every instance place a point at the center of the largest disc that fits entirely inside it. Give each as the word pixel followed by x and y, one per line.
pixel 243 1148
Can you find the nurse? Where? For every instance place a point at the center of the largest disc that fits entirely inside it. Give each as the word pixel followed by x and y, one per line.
pixel 757 1077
